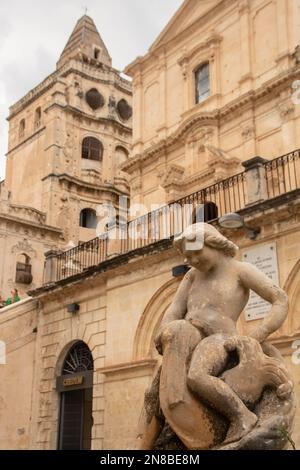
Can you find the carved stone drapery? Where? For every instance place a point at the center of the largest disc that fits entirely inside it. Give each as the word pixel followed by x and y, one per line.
pixel 24 247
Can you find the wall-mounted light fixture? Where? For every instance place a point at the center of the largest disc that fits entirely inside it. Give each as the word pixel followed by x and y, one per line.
pixel 73 308
pixel 180 270
pixel 236 221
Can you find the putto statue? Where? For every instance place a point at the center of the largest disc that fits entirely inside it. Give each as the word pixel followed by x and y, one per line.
pixel 216 388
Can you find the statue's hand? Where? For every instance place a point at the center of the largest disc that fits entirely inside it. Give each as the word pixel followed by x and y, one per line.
pixel 260 334
pixel 284 390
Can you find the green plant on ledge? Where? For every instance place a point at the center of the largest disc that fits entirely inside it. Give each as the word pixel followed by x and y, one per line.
pixel 284 433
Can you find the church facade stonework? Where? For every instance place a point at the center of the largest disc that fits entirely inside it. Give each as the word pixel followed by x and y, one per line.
pixel 215 122
pixel 66 145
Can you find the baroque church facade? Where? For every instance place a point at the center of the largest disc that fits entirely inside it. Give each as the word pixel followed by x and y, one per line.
pixel 215 125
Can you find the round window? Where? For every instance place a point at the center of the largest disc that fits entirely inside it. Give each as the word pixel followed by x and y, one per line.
pixel 94 99
pixel 124 110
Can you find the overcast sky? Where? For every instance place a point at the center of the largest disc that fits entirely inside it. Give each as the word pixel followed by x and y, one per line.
pixel 33 33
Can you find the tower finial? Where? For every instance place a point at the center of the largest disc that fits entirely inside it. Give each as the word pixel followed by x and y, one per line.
pixel 85 41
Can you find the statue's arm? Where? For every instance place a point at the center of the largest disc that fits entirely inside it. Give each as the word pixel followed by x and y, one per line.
pixel 178 307
pixel 252 278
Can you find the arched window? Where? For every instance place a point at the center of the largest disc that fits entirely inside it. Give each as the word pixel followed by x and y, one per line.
pixel 37 118
pixel 92 149
pixel 23 270
pixel 22 129
pixel 88 218
pixel 202 82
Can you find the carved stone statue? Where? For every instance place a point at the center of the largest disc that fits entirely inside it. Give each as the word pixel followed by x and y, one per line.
pixel 112 105
pixel 216 388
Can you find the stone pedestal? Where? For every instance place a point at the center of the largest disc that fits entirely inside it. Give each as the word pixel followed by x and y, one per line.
pixel 256 185
pixel 50 267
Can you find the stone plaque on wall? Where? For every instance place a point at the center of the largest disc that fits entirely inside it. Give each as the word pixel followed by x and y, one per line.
pixel 264 257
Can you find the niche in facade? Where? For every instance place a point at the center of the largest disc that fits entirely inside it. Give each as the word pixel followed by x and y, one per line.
pixel 23 270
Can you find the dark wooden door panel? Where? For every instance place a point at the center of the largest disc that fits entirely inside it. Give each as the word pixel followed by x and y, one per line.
pixel 72 420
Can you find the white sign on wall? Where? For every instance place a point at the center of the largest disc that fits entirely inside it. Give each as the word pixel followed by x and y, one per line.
pixel 264 257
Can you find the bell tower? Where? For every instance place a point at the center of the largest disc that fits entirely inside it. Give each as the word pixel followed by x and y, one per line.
pixel 69 136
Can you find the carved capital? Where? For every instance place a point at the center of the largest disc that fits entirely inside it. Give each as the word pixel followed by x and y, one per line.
pixel 286 111
pixel 248 133
pixel 138 80
pixel 136 186
pixel 172 176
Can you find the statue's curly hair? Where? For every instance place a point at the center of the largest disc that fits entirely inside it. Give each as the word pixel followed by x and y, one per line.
pixel 211 236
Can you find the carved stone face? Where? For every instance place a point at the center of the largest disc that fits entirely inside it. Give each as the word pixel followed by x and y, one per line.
pixel 204 260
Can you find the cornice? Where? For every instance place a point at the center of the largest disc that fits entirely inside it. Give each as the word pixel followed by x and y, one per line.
pixel 211 40
pixel 212 118
pixel 117 370
pixel 16 310
pixel 207 119
pixel 41 129
pixel 32 95
pixel 121 83
pixel 63 177
pixel 102 120
pixel 38 226
pixel 93 272
pixel 31 211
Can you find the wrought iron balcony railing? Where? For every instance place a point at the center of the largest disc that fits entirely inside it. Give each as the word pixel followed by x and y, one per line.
pixel 279 176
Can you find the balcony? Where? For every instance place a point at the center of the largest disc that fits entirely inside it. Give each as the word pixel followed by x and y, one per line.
pixel 262 181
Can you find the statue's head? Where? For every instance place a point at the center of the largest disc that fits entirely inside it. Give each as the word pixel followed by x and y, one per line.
pixel 202 244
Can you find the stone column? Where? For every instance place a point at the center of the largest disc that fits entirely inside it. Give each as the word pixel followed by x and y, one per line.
pixel 282 30
pixel 215 73
pixel 113 241
pixel 162 68
pixel 246 77
pixel 50 267
pixel 186 89
pixel 256 186
pixel 287 114
pixel 138 105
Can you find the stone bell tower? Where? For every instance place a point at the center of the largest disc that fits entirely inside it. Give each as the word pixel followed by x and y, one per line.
pixel 69 136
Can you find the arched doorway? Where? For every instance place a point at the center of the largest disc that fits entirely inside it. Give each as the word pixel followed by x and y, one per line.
pixel 75 385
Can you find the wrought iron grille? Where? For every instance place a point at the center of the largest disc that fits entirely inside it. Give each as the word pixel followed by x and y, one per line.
pixel 79 359
pixel 282 175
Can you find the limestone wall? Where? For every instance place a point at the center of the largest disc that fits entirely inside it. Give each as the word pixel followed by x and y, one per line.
pixel 250 47
pixel 18 331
